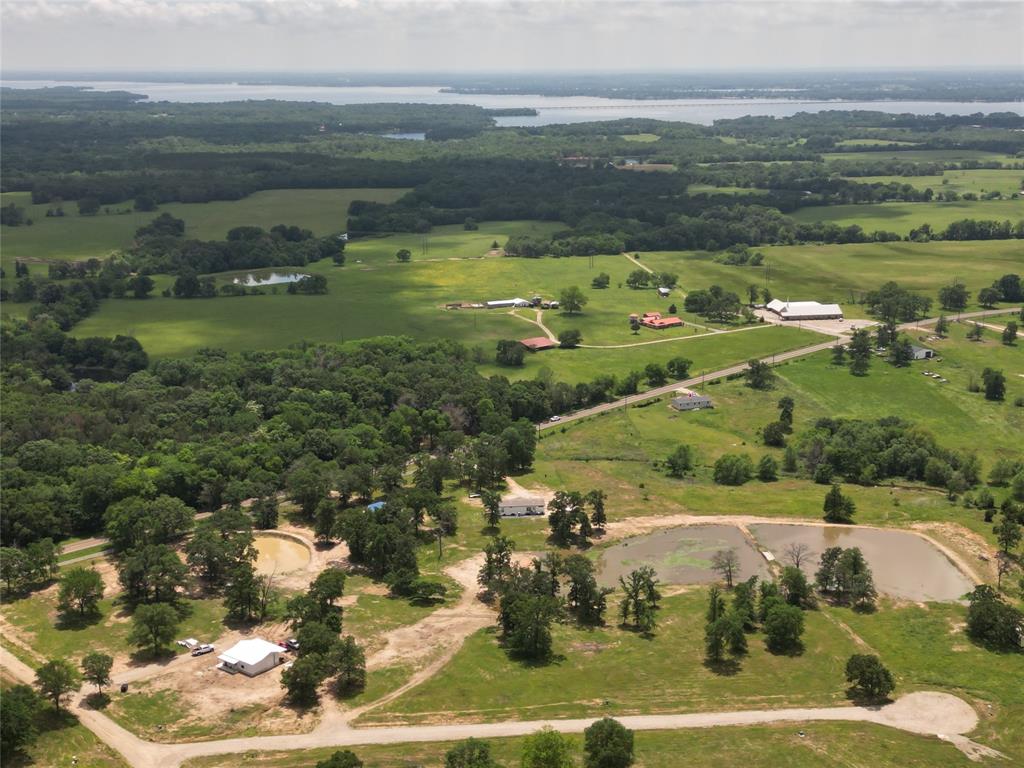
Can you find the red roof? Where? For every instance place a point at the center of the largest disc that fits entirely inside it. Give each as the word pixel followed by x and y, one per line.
pixel 661 322
pixel 538 343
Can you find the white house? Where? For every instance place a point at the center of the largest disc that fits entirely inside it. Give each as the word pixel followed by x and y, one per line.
pixel 252 657
pixel 521 506
pixel 804 310
pixel 688 400
pixel 663 291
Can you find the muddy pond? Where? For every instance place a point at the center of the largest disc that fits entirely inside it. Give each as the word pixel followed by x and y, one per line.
pixel 680 555
pixel 278 555
pixel 903 564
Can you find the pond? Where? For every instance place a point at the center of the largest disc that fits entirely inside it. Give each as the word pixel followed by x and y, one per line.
pixel 680 555
pixel 904 565
pixel 277 555
pixel 253 279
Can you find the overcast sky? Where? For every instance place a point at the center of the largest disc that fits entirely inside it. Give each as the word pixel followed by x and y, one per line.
pixel 480 35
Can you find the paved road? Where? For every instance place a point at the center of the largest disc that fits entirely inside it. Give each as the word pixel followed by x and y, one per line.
pixel 723 372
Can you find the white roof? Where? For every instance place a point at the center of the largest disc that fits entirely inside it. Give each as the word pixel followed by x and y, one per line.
pixel 250 652
pixel 803 308
pixel 522 501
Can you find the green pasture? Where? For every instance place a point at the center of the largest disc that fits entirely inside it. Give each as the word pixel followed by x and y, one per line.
pixel 641 138
pixel 707 353
pixel 611 669
pixel 902 217
pixel 978 181
pixel 73 237
pixel 874 143
pixel 823 745
pixel 843 273
pixel 617 451
pixel 37 616
pixel 924 155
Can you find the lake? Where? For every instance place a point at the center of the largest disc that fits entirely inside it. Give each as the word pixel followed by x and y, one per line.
pixel 551 109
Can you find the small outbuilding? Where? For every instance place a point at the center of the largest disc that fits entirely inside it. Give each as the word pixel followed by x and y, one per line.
pixel 804 310
pixel 538 343
pixel 521 506
pixel 664 292
pixel 922 353
pixel 251 657
pixel 688 400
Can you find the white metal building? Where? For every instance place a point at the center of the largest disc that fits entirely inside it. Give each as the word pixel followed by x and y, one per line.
pixel 251 657
pixel 500 303
pixel 922 353
pixel 804 310
pixel 521 506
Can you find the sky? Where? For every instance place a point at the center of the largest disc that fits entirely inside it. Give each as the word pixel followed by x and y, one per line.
pixel 510 35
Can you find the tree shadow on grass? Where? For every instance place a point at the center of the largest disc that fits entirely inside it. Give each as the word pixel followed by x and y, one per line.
pixel 146 656
pixel 858 697
pixel 723 667
pixel 75 622
pixel 792 651
pixel 97 700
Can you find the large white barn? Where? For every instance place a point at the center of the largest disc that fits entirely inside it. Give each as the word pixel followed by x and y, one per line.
pixel 804 310
pixel 251 657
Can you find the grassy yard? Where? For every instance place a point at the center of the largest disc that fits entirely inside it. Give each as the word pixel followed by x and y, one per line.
pixel 924 155
pixel 843 273
pixel 74 237
pixel 902 217
pixel 823 745
pixel 604 670
pixel 977 181
pixel 642 138
pixel 37 616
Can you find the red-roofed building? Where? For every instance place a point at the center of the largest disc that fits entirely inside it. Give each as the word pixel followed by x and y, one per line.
pixel 537 343
pixel 657 322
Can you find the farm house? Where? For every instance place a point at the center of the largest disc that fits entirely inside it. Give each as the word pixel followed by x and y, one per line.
pixel 521 506
pixel 688 400
pixel 538 343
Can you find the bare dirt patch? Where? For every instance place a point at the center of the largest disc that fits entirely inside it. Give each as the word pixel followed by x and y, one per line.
pixel 970 550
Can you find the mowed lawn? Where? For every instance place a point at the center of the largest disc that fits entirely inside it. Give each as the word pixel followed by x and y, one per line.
pixel 823 745
pixel 844 273
pixel 902 217
pixel 924 155
pixel 610 669
pixel 978 181
pixel 73 237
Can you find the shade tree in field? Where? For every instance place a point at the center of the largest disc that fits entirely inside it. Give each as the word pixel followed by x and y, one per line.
pixel 992 621
pixel 681 461
pixel 18 728
pixel 80 592
pixel 954 297
pixel 471 753
pixel 678 367
pixel 571 300
pixel 607 744
pixel 859 350
pixel 570 339
pixel 837 507
pixel 153 626
pixel 403 255
pixel 783 628
pixel 491 503
pixel 96 669
pixel 603 280
pixel 759 375
pixel 55 679
pixel 870 679
pixel 994 383
pixel 547 748
pixel 640 599
pixel 568 519
pixel 844 575
pixel 596 498
pixel 584 598
pixel 733 469
pixel 1009 334
pixel 976 332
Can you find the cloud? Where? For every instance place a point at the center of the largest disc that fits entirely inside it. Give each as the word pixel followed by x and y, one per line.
pixel 437 34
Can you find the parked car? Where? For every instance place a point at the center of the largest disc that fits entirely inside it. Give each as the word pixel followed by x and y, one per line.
pixel 291 644
pixel 555 418
pixel 190 643
pixel 202 650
